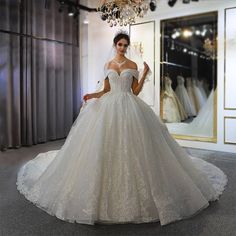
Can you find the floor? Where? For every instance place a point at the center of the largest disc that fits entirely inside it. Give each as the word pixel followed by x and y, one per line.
pixel 20 217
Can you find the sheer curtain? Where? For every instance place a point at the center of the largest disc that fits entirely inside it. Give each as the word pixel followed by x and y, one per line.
pixel 40 91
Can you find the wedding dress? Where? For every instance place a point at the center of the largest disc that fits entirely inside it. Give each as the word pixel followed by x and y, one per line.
pixel 173 110
pixel 200 85
pixel 202 125
pixel 206 87
pixel 200 101
pixel 191 94
pixel 183 97
pixel 120 164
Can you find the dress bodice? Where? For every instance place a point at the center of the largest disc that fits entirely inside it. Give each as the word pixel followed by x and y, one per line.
pixel 194 82
pixel 180 80
pixel 121 82
pixel 189 82
pixel 200 83
pixel 168 84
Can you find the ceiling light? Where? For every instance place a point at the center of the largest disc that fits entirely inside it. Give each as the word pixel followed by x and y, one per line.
pixel 124 12
pixel 173 36
pixel 152 5
pixel 197 32
pixel 171 3
pixel 86 20
pixel 203 33
pixel 70 11
pixel 177 33
pixel 187 33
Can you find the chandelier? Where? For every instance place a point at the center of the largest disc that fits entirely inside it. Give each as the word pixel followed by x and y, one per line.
pixel 124 12
pixel 210 47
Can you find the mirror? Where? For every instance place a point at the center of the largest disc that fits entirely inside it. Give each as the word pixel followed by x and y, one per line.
pixel 189 76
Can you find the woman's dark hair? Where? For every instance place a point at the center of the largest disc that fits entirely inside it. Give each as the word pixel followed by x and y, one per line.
pixel 120 36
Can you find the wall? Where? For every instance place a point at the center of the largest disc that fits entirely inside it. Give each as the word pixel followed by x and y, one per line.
pixel 99 42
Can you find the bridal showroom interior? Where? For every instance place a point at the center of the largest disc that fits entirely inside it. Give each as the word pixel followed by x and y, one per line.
pixel 54 52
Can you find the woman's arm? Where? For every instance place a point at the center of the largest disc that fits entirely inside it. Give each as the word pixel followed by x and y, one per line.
pixel 137 86
pixel 99 94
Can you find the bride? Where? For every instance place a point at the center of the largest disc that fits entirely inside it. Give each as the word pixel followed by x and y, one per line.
pixel 119 163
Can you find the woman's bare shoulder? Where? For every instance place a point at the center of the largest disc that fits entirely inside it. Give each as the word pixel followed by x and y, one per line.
pixel 108 64
pixel 132 64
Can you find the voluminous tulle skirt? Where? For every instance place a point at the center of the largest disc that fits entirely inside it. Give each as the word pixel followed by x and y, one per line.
pixel 120 164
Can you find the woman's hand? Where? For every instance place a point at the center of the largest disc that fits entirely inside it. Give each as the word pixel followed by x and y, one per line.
pixel 87 96
pixel 146 68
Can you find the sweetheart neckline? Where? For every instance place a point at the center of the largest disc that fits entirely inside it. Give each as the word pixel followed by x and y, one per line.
pixel 119 74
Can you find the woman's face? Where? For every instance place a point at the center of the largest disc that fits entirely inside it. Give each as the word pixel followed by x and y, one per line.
pixel 121 46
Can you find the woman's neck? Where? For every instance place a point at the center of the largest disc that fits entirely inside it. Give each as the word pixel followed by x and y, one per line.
pixel 119 58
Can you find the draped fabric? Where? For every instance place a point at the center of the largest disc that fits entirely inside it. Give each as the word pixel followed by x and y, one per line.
pixel 40 92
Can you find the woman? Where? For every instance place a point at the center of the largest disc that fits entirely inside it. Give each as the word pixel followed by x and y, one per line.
pixel 119 163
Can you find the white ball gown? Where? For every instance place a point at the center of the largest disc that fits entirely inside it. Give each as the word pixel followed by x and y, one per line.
pixel 120 164
pixel 183 97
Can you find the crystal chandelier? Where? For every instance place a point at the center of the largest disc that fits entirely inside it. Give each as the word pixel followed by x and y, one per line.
pixel 210 47
pixel 122 12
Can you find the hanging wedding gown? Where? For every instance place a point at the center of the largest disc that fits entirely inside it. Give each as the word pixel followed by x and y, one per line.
pixel 200 101
pixel 191 94
pixel 202 125
pixel 183 97
pixel 120 164
pixel 173 110
pixel 200 85
pixel 206 87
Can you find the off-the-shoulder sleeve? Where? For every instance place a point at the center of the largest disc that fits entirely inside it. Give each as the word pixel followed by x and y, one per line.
pixel 135 73
pixel 107 72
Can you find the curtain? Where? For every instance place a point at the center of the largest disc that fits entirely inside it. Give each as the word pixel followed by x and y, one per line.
pixel 40 92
